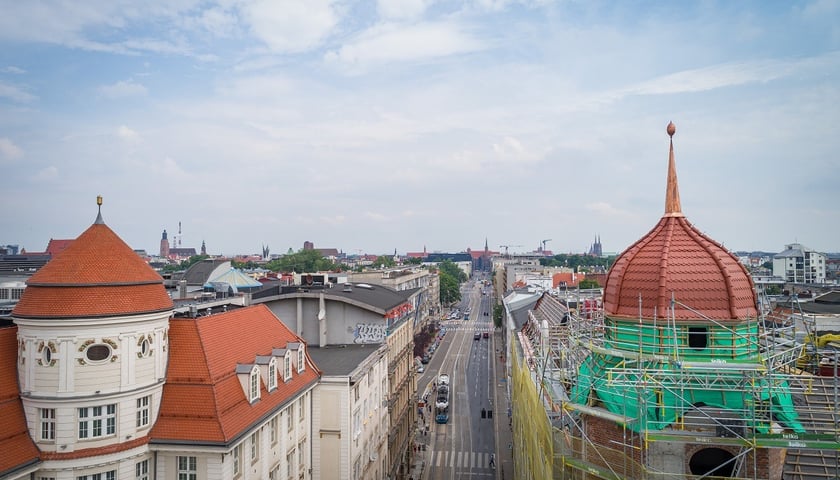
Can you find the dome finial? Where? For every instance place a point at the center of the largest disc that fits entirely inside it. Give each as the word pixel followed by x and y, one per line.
pixel 99 220
pixel 672 191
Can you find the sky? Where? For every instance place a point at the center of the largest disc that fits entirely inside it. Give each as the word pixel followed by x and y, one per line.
pixel 375 126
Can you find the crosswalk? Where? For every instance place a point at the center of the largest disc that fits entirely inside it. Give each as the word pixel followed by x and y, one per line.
pixel 460 460
pixel 470 327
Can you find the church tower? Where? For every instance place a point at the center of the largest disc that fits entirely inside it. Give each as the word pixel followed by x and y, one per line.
pixel 164 246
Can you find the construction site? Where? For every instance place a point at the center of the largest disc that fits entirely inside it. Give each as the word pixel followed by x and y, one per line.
pixel 676 369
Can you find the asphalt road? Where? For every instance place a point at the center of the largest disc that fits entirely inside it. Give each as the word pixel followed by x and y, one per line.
pixel 462 447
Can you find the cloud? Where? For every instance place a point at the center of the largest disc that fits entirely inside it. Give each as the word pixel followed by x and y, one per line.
pixel 402 9
pixel 12 69
pixel 603 208
pixel 291 25
pixel 398 42
pixel 123 89
pixel 9 150
pixel 376 216
pixel 15 93
pixel 127 134
pixel 46 174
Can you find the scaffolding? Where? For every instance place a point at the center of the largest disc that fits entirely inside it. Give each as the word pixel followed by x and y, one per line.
pixel 637 383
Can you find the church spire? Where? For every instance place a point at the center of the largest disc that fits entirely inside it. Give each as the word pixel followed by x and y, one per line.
pixel 672 191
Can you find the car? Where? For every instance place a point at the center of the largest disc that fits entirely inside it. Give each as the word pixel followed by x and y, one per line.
pixel 425 359
pixel 421 369
pixel 477 336
pixel 486 335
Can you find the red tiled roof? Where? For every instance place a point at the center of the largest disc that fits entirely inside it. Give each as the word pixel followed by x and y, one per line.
pixel 676 259
pixel 16 446
pixel 97 275
pixel 57 246
pixel 203 400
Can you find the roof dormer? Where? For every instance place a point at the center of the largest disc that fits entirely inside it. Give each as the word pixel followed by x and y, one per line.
pixel 249 378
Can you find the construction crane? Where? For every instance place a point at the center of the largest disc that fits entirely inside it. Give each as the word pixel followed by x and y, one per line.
pixel 544 242
pixel 506 247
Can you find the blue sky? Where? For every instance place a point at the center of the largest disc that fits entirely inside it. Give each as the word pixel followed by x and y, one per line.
pixel 379 125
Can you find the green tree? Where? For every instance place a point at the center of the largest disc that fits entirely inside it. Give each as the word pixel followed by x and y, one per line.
pixel 498 315
pixel 450 268
pixel 450 291
pixel 773 290
pixel 185 264
pixel 587 283
pixel 413 261
pixel 384 261
pixel 303 261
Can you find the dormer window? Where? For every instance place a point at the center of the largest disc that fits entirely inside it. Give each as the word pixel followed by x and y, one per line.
pixel 254 384
pixel 272 374
pixel 301 363
pixel 287 367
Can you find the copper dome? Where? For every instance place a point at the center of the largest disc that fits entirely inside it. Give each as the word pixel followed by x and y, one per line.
pixel 97 275
pixel 675 260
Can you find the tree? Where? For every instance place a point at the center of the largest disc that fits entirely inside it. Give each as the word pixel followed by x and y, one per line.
pixel 303 261
pixel 413 261
pixel 587 283
pixel 448 266
pixel 185 264
pixel 450 291
pixel 384 261
pixel 773 290
pixel 498 315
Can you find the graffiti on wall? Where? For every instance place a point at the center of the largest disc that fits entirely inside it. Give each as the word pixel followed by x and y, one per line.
pixel 369 333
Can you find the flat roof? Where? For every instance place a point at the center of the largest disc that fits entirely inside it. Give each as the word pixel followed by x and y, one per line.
pixel 341 359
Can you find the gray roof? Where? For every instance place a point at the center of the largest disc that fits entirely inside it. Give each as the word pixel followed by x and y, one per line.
pixel 341 359
pixel 199 272
pixel 376 298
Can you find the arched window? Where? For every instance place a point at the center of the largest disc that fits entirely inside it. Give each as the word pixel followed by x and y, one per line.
pixel 301 359
pixel 272 374
pixel 287 367
pixel 255 384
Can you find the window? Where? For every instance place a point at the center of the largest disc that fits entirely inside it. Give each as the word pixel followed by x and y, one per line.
pixel 187 468
pixel 47 424
pixel 141 470
pixel 290 457
pixel 301 363
pixel 272 374
pixel 145 347
pixel 302 411
pixel 255 384
pixel 287 367
pixel 98 353
pixel 255 446
pixel 95 422
pixel 698 337
pixel 300 454
pixel 273 425
pixel 237 460
pixel 289 424
pixel 143 411
pixel 109 475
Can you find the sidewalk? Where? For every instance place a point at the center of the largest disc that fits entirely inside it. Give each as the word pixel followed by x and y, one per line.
pixel 504 433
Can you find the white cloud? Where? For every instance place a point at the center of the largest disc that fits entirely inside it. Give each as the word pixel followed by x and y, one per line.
pixel 121 89
pixel 46 174
pixel 399 42
pixel 15 93
pixel 402 9
pixel 603 208
pixel 291 25
pixel 12 69
pixel 376 216
pixel 127 134
pixel 9 150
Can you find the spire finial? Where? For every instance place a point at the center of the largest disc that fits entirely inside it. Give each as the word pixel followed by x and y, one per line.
pixel 672 191
pixel 99 220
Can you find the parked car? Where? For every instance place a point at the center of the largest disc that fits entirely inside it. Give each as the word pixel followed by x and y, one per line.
pixel 421 369
pixel 425 358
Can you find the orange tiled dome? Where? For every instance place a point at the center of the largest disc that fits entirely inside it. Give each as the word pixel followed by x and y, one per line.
pixel 675 259
pixel 97 275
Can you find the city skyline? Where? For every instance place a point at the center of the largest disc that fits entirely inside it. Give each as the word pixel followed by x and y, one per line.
pixel 381 125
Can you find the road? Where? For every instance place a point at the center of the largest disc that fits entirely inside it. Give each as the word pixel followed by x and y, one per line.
pixel 462 447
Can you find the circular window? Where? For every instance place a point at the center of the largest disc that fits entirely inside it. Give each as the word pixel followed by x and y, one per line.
pixel 144 347
pixel 98 353
pixel 46 356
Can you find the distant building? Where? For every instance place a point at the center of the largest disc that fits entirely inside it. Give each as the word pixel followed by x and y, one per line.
pixel 595 249
pixel 799 264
